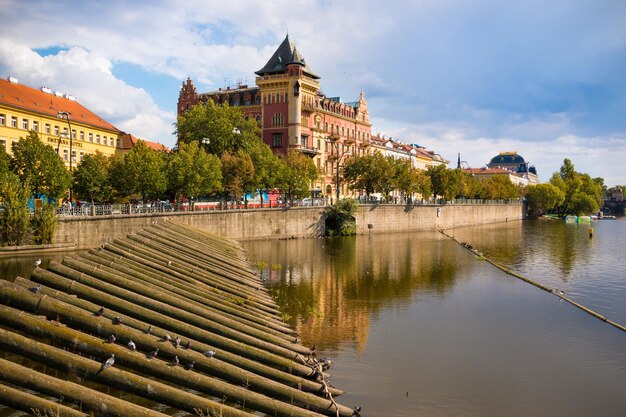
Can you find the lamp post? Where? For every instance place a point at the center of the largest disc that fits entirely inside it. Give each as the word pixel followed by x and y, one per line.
pixel 339 157
pixel 66 115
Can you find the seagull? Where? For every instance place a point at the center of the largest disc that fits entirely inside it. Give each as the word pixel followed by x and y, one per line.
pixel 357 410
pixel 131 345
pixel 175 361
pixel 177 342
pixel 117 320
pixel 153 354
pixel 36 289
pixel 108 363
pixel 189 366
pixel 169 263
pixel 166 338
pixel 37 263
pixel 149 330
pixel 188 344
pixel 326 364
pixel 110 339
pixel 209 353
pixel 313 350
pixel 99 312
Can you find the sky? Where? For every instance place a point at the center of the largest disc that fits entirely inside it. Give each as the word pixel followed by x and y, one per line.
pixel 477 77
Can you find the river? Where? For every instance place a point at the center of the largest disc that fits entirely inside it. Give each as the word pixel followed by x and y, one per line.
pixel 416 325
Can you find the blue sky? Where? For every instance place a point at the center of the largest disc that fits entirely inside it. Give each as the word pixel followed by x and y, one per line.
pixel 477 77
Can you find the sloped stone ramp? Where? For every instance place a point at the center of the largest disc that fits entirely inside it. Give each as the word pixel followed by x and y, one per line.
pixel 206 337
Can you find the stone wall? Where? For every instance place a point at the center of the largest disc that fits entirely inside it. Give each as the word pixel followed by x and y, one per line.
pixel 297 222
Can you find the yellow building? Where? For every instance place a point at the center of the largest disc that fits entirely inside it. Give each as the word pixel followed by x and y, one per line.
pixel 24 108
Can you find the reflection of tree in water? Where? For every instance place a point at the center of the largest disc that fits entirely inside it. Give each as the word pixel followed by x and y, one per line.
pixel 330 289
pixel 532 246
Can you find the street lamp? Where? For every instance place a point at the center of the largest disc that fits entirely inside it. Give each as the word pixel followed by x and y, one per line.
pixel 66 115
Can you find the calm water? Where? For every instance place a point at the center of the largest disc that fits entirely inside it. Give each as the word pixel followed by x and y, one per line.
pixel 418 326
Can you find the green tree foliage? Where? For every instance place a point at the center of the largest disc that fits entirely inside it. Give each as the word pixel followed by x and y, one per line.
pixel 583 195
pixel 409 180
pixel 37 164
pixel 14 216
pixel 297 173
pixel 367 173
pixel 499 186
pixel 543 197
pixel 340 220
pixel 194 172
pixel 91 178
pixel 5 163
pixel 44 223
pixel 225 128
pixel 267 166
pixel 141 172
pixel 444 181
pixel 237 173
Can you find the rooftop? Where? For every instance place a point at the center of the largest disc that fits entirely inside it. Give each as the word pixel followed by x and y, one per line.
pixel 46 102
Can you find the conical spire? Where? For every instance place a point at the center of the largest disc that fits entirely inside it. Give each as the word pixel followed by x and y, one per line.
pixel 285 54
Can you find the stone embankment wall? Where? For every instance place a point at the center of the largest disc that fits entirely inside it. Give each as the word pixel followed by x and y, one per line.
pixel 296 222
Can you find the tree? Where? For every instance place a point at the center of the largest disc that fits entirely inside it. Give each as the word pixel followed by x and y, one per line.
pixel 576 187
pixel 5 163
pixel 543 197
pixel 91 178
pixel 444 181
pixel 267 166
pixel 498 186
pixel 193 172
pixel 409 180
pixel 366 173
pixel 237 173
pixel 297 174
pixel 340 220
pixel 38 165
pixel 142 171
pixel 224 128
pixel 14 215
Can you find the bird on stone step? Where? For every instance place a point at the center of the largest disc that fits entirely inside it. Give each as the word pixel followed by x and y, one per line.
pixel 166 338
pixel 188 344
pixel 189 366
pixel 131 345
pixel 110 339
pixel 149 330
pixel 99 313
pixel 35 289
pixel 326 364
pixel 37 263
pixel 117 320
pixel 209 353
pixel 153 354
pixel 175 361
pixel 357 411
pixel 177 342
pixel 108 363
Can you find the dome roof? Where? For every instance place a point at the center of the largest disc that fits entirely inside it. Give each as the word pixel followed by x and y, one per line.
pixel 507 158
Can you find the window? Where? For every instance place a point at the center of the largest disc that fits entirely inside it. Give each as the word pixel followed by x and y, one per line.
pixel 258 100
pixel 73 156
pixel 47 128
pixel 248 101
pixel 82 135
pixel 36 126
pixel 236 102
pixel 319 144
pixel 104 140
pixel 97 138
pixel 326 126
pixel 82 156
pixel 65 153
pixel 14 122
pixel 2 119
pixel 91 137
pixel 73 133
pixel 3 144
pixel 110 141
pixel 277 119
pixel 117 143
pixel 304 141
pixel 25 124
pixel 56 130
pixel 277 140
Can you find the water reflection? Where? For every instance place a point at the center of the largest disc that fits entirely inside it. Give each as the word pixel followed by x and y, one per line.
pixel 332 292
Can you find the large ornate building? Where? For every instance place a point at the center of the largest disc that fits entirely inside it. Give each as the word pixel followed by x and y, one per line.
pixel 289 105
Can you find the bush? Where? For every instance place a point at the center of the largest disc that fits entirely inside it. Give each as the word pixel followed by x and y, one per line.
pixel 14 215
pixel 340 220
pixel 44 224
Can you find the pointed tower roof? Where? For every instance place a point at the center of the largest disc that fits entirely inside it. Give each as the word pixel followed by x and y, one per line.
pixel 285 54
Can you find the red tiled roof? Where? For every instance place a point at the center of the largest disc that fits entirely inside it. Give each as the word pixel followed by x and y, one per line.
pixel 37 101
pixel 128 141
pixel 487 171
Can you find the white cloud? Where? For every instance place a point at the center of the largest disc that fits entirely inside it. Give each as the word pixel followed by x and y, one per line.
pixel 87 76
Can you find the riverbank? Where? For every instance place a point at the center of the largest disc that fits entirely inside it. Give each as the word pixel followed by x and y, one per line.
pixel 288 223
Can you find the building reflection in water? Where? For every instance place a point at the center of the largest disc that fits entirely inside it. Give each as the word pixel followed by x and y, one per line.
pixel 330 289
